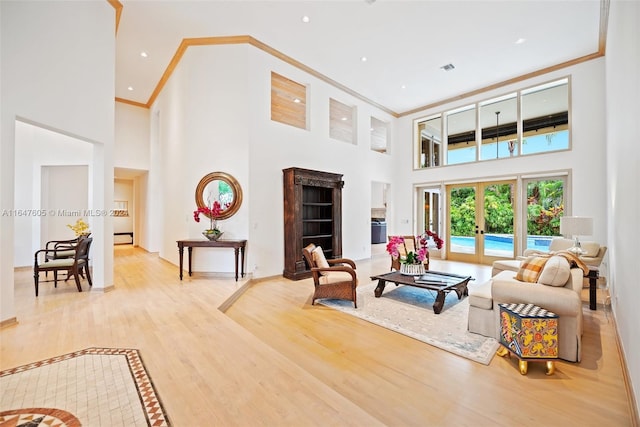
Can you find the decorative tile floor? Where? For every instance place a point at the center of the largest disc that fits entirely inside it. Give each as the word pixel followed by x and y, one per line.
pixel 91 387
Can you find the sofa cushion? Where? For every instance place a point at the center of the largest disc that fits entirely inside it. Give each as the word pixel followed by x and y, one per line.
pixel 320 259
pixel 590 249
pixel 480 296
pixel 530 269
pixel 556 272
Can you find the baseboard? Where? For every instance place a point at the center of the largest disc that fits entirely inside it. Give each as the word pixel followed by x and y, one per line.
pixel 103 290
pixel 8 322
pixel 634 415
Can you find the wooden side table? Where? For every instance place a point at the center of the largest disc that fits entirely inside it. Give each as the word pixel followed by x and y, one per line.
pixel 530 333
pixel 237 245
pixel 593 283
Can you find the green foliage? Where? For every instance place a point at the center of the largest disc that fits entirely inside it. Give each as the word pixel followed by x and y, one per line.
pixel 544 209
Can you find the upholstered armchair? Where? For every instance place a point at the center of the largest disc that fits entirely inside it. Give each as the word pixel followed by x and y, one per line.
pixel 74 266
pixel 332 278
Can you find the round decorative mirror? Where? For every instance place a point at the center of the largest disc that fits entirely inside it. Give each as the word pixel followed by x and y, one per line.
pixel 220 187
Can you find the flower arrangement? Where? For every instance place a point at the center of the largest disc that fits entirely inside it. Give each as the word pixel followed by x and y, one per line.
pixel 422 250
pixel 424 239
pixel 212 212
pixel 80 227
pixel 409 257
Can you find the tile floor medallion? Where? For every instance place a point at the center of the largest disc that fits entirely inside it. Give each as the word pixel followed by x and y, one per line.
pixel 91 387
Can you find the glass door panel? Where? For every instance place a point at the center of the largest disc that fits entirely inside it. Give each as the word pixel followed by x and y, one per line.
pixel 481 221
pixel 498 220
pixel 545 206
pixel 461 238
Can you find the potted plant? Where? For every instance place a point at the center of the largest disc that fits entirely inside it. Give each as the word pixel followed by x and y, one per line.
pixel 213 212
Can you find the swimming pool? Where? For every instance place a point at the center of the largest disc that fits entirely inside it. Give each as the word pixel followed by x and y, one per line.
pixel 501 244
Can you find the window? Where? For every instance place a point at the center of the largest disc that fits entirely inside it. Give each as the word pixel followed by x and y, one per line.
pixel 545 117
pixel 342 121
pixel 529 121
pixel 379 133
pixel 545 204
pixel 288 101
pixel 461 135
pixel 430 146
pixel 499 127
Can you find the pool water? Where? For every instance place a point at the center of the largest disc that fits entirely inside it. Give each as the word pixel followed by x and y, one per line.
pixel 499 243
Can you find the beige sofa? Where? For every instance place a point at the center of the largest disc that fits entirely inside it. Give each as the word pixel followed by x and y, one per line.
pixel 564 300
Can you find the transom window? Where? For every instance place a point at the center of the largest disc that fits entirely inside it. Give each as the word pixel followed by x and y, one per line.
pixel 529 121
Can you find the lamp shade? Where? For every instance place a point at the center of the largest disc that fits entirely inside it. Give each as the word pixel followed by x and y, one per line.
pixel 576 226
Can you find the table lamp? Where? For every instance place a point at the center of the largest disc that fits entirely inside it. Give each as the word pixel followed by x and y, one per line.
pixel 575 226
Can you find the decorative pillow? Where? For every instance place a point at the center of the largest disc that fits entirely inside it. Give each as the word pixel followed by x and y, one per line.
pixel 320 259
pixel 530 269
pixel 556 272
pixel 590 249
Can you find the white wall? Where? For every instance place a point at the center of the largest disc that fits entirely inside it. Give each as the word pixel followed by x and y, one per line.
pixel 217 118
pixel 623 161
pixel 34 148
pixel 57 71
pixel 586 160
pixel 132 132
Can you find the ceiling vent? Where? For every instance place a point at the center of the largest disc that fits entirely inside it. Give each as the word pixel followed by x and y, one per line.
pixel 448 67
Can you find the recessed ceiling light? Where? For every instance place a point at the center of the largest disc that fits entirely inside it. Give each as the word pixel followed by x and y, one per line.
pixel 144 54
pixel 344 119
pixel 305 19
pixel 403 87
pixel 130 88
pixel 363 59
pixel 447 67
pixel 296 100
pixel 520 40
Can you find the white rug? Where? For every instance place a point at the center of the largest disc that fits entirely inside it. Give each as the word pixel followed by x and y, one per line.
pixel 409 311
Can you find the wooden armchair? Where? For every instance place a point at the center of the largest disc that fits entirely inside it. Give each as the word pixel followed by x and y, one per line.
pixel 74 266
pixel 409 246
pixel 333 278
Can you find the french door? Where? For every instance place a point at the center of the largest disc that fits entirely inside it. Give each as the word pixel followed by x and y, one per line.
pixel 481 221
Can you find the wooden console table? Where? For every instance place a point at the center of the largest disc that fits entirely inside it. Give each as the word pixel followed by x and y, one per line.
pixel 237 245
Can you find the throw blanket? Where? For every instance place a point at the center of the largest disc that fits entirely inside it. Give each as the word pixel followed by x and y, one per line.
pixel 532 267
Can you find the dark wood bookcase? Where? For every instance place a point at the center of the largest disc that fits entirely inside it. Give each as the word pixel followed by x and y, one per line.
pixel 312 214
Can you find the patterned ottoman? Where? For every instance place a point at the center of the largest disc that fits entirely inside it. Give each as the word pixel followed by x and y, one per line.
pixel 531 333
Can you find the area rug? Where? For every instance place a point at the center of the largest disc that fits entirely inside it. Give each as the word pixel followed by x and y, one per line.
pixel 91 387
pixel 408 310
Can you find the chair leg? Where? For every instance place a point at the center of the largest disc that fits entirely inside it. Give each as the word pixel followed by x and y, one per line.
pixel 86 269
pixel 76 276
pixel 55 278
pixel 35 280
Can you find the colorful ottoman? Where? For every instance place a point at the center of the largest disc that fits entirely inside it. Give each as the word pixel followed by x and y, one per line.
pixel 531 333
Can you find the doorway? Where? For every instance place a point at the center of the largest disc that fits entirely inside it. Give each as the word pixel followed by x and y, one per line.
pixel 481 222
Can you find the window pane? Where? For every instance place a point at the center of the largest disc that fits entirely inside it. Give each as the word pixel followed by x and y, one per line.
pixel 545 115
pixel 430 142
pixel 545 206
pixel 499 123
pixel 461 136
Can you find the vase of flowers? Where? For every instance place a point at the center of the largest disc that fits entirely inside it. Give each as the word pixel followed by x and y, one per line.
pixel 412 262
pixel 213 212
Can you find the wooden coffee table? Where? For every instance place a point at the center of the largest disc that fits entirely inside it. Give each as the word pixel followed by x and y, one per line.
pixel 438 281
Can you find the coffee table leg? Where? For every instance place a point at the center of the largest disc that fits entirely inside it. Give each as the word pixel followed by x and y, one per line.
pixel 437 306
pixel 379 288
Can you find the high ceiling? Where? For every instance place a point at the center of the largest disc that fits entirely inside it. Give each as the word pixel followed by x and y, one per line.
pixel 405 42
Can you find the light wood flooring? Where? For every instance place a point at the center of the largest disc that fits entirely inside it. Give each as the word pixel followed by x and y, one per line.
pixel 273 359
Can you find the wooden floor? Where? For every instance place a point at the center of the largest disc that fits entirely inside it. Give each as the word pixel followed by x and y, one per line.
pixel 273 359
